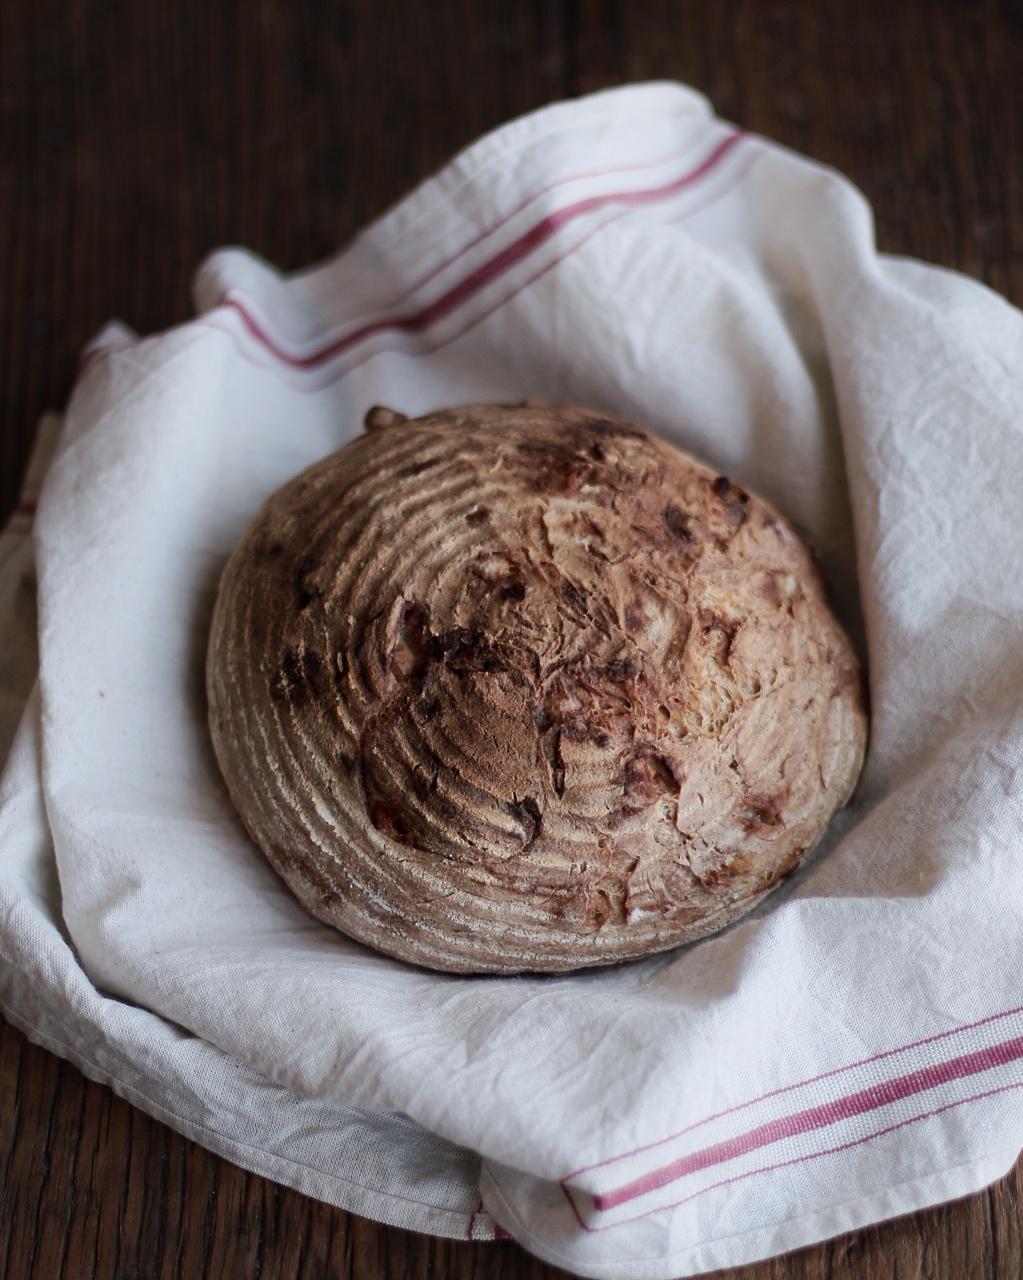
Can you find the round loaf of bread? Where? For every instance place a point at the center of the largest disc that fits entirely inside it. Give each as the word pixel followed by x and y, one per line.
pixel 523 687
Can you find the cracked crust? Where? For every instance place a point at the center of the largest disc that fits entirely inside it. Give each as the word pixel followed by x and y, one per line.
pixel 522 687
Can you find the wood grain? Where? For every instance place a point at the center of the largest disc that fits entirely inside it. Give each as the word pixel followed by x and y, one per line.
pixel 136 137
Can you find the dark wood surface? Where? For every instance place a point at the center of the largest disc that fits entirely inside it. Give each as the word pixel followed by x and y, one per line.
pixel 135 136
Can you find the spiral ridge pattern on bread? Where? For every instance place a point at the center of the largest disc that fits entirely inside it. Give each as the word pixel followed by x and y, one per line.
pixel 523 687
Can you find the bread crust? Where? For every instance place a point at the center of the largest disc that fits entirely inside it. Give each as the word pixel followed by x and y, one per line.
pixel 524 688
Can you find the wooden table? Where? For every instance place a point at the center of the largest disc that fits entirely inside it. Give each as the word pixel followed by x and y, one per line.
pixel 137 136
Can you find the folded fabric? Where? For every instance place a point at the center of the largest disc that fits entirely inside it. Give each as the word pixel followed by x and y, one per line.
pixel 851 1051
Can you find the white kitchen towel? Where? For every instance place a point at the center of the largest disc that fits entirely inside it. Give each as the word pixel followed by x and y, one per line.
pixel 852 1051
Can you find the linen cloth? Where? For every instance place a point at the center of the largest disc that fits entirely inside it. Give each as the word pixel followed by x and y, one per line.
pixel 852 1051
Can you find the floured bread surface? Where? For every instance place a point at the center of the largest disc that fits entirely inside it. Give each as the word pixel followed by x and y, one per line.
pixel 522 687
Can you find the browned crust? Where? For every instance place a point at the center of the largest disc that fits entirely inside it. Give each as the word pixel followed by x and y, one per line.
pixel 523 687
